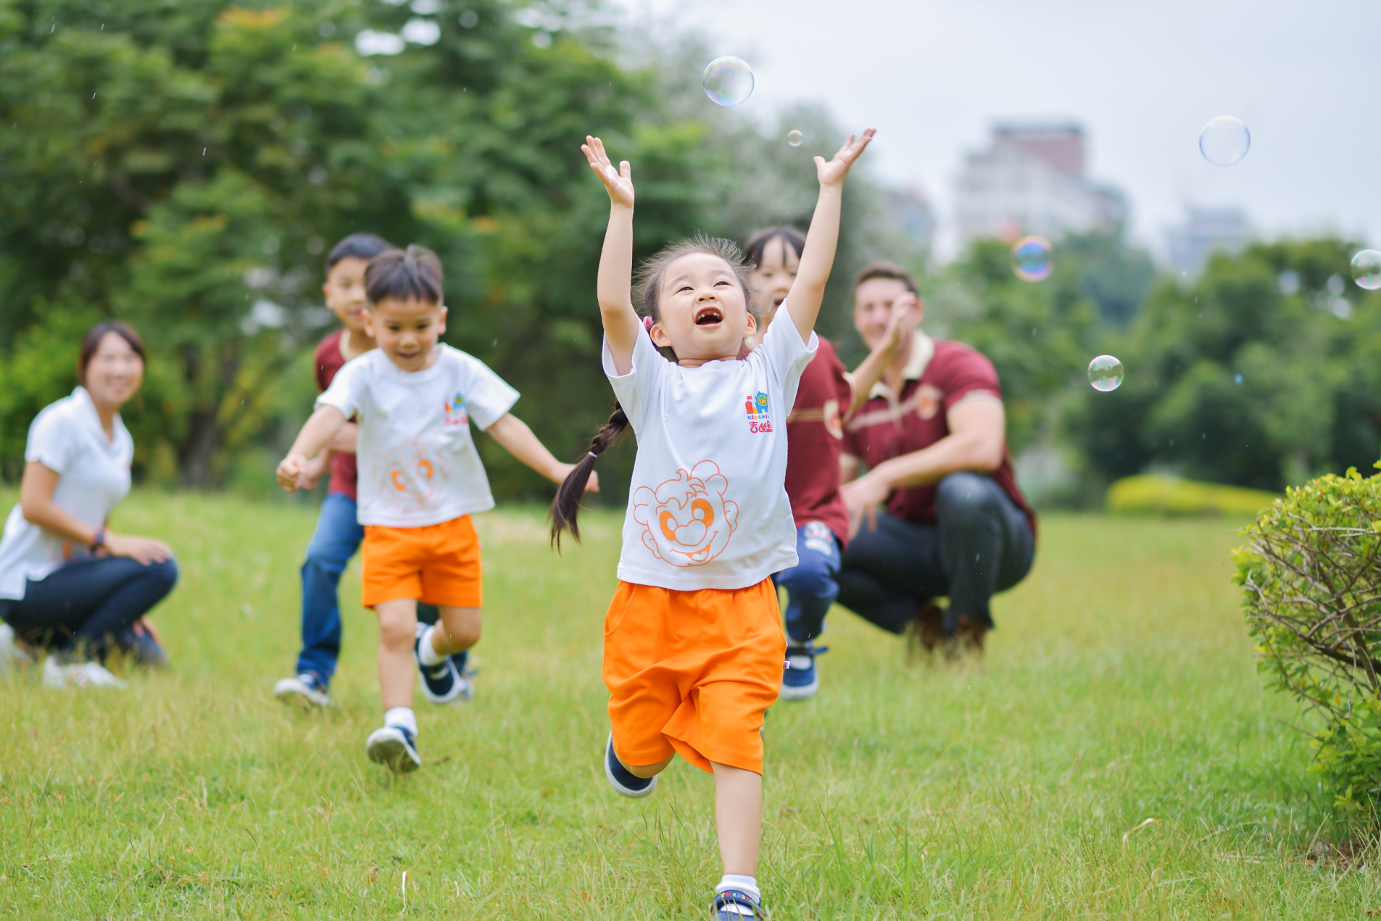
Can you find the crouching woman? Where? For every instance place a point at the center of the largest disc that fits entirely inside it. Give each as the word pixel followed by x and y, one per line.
pixel 67 582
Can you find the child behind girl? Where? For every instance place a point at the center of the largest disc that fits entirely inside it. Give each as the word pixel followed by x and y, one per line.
pixel 693 644
pixel 420 478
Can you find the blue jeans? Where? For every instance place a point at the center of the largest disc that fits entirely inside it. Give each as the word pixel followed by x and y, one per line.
pixel 810 584
pixel 338 535
pixel 88 603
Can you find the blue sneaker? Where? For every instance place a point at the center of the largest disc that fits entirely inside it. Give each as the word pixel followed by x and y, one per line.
pixel 440 683
pixel 621 779
pixel 800 680
pixel 395 748
pixel 733 905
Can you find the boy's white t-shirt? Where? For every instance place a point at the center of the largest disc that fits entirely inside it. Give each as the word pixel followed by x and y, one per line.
pixel 93 476
pixel 417 463
pixel 707 507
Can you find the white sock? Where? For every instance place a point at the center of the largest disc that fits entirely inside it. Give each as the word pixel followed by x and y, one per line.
pixel 427 649
pixel 745 884
pixel 401 718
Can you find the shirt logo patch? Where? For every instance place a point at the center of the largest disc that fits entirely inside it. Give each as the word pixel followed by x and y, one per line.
pixel 455 411
pixel 759 419
pixel 686 520
pixel 928 401
pixel 412 474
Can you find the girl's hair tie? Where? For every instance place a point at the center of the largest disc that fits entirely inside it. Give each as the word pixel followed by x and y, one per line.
pixel 647 323
pixel 594 455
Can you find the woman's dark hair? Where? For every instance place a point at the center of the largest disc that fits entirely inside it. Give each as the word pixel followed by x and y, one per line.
pixel 414 273
pixel 357 246
pixel 646 292
pixel 884 269
pixel 92 341
pixel 757 243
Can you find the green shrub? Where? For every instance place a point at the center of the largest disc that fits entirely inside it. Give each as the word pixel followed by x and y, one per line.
pixel 1312 575
pixel 1154 494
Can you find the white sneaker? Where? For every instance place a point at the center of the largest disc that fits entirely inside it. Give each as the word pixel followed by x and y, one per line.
pixel 305 689
pixel 80 675
pixel 12 654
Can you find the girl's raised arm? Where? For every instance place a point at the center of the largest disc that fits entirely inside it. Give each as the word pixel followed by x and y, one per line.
pixel 803 303
pixel 614 287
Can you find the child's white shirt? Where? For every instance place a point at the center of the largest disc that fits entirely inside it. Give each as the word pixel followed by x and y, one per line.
pixel 417 463
pixel 707 507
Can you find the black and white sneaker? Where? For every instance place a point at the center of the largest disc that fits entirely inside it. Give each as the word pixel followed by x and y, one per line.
pixel 800 680
pixel 395 748
pixel 306 689
pixel 623 780
pixel 441 683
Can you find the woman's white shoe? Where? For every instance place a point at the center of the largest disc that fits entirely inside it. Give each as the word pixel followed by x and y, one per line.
pixel 81 675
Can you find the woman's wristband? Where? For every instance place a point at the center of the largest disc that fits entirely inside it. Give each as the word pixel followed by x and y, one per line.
pixel 98 540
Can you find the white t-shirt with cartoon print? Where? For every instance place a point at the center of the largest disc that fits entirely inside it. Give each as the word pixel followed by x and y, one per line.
pixel 417 463
pixel 707 507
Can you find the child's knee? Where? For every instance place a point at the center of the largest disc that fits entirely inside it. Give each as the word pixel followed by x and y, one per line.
pixel 397 625
pixel 462 626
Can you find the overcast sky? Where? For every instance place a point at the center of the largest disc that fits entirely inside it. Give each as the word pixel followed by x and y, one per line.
pixel 1143 78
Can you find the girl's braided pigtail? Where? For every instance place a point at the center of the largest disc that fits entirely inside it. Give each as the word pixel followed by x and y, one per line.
pixel 566 506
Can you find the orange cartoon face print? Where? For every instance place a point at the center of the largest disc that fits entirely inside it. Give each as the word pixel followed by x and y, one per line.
pixel 686 520
pixel 412 474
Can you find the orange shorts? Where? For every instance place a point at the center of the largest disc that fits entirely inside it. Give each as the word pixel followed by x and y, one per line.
pixel 692 672
pixel 436 564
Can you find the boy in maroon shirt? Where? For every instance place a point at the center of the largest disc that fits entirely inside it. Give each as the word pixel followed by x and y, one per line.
pixel 933 436
pixel 825 398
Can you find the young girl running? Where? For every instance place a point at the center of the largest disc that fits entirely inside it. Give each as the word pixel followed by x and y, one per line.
pixel 693 646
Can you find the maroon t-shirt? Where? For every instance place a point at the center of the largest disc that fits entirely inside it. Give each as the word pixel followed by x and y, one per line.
pixel 814 438
pixel 888 427
pixel 329 360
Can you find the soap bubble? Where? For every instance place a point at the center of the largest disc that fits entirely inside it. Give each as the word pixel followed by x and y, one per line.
pixel 1366 269
pixel 794 138
pixel 728 81
pixel 1224 141
pixel 1031 258
pixel 1105 373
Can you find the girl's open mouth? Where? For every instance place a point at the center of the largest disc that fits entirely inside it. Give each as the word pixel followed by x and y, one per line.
pixel 708 316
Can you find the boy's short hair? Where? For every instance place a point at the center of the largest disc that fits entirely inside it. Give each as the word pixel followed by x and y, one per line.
pixel 884 269
pixel 414 273
pixel 357 246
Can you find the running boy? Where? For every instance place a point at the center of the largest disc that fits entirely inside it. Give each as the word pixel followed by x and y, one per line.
pixel 693 642
pixel 420 478
pixel 338 533
pixel 825 399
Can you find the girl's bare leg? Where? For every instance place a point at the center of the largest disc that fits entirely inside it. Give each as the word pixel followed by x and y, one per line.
pixel 397 633
pixel 738 816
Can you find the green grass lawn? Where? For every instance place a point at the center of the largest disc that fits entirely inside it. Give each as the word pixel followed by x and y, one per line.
pixel 1120 686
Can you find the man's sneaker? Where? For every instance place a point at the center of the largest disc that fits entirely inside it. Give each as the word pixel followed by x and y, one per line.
pixel 306 689
pixel 800 680
pixel 440 683
pixel 623 780
pixel 733 905
pixel 395 748
pixel 78 675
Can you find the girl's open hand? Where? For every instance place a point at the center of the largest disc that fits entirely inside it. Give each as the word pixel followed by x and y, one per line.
pixel 833 172
pixel 617 182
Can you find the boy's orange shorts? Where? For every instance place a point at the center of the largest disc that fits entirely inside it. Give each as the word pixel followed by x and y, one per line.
pixel 436 564
pixel 692 672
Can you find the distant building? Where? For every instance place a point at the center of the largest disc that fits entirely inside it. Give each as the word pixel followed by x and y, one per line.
pixel 1030 179
pixel 912 211
pixel 1204 231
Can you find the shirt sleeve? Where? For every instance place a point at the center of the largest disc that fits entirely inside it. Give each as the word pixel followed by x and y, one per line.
pixel 636 390
pixel 968 373
pixel 487 396
pixel 51 442
pixel 347 390
pixel 787 353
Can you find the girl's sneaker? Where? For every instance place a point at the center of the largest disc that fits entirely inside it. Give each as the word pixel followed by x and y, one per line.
pixel 623 780
pixel 395 748
pixel 441 683
pixel 732 905
pixel 79 675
